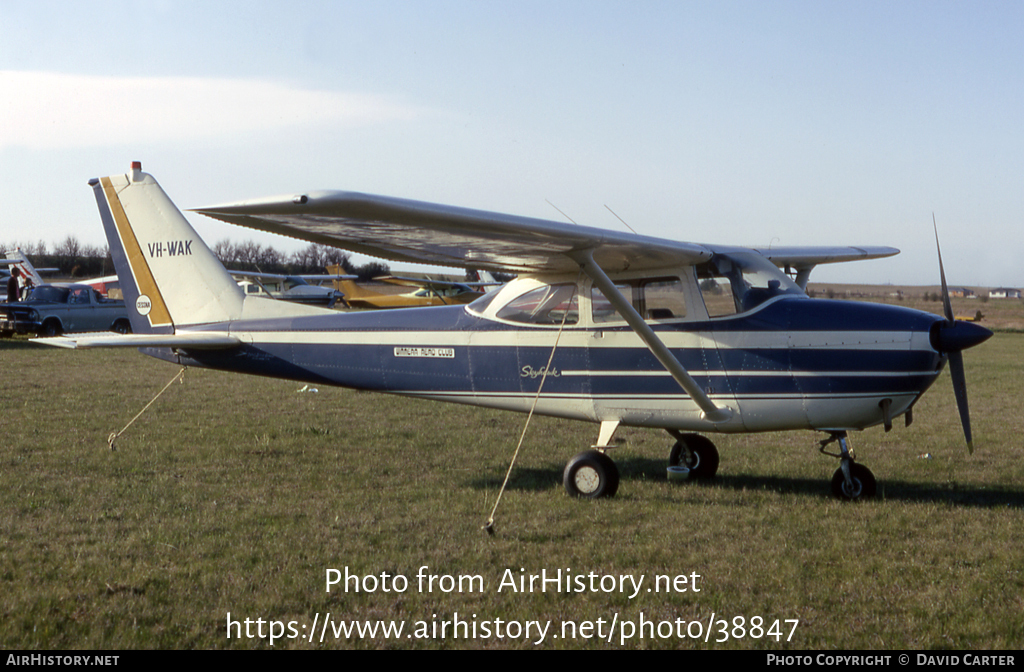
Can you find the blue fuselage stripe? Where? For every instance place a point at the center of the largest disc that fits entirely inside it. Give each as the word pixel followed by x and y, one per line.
pixel 365 355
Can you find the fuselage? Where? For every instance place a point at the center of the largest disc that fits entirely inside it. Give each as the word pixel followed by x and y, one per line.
pixel 789 363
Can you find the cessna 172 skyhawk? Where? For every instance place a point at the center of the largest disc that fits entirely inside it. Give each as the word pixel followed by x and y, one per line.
pixel 613 328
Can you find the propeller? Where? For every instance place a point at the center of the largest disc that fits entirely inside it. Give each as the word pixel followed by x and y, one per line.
pixel 952 338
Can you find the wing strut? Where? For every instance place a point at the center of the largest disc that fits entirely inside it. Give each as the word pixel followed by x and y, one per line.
pixel 623 306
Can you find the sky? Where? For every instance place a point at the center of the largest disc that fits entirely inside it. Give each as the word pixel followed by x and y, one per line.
pixel 742 123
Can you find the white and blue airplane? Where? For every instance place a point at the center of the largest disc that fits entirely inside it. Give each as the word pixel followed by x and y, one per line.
pixel 612 328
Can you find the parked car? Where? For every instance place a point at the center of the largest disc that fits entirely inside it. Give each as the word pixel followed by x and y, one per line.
pixel 51 310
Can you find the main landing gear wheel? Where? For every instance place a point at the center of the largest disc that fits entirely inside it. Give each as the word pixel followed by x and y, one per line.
pixel 591 474
pixel 696 452
pixel 861 486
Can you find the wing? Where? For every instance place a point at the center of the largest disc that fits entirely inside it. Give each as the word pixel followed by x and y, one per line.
pixel 241 275
pixel 418 232
pixel 804 259
pixel 809 257
pixel 325 277
pixel 425 283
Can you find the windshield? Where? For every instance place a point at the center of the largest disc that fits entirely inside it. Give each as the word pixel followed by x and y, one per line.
pixel 738 282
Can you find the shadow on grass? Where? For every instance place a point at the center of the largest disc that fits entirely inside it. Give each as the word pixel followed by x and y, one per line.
pixel 893 491
pixel 525 480
pixel 543 479
pixel 18 343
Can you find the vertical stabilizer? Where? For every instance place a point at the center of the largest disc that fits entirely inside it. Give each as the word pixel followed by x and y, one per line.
pixel 168 275
pixel 17 259
pixel 351 290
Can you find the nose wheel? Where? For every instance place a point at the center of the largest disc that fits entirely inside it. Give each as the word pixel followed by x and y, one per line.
pixel 851 481
pixel 860 484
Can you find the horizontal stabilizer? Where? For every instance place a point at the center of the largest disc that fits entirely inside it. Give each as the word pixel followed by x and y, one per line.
pixel 105 339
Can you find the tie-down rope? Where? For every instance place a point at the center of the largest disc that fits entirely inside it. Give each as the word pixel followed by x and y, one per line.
pixel 489 527
pixel 114 436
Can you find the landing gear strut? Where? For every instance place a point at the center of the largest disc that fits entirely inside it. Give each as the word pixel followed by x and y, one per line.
pixel 852 481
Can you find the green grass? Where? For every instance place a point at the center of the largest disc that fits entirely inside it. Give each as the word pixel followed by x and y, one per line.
pixel 236 494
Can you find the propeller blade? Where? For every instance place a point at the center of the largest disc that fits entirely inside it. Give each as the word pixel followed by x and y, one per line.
pixel 953 338
pixel 946 306
pixel 956 370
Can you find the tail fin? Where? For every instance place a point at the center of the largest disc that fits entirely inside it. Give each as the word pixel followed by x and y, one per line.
pixel 353 291
pixel 491 283
pixel 17 259
pixel 168 275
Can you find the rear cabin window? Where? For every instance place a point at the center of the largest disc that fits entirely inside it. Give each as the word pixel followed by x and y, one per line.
pixel 652 298
pixel 79 296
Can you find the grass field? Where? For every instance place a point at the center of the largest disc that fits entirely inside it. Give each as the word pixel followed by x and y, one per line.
pixel 237 494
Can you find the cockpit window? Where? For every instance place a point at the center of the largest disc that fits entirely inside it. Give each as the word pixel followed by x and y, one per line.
pixel 736 283
pixel 545 305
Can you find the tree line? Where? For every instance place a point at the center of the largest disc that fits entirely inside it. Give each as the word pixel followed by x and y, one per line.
pixel 76 260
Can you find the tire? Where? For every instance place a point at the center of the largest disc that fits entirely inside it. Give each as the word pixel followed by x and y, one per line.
pixel 703 457
pixel 52 328
pixel 864 486
pixel 122 327
pixel 591 474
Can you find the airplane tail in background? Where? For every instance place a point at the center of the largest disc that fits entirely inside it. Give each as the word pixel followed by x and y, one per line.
pixel 168 275
pixel 353 291
pixel 17 259
pixel 491 283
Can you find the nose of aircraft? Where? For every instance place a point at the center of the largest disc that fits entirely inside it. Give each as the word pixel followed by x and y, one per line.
pixel 949 337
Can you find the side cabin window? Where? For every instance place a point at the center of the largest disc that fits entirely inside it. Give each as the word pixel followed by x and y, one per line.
pixel 545 305
pixel 653 299
pixel 736 283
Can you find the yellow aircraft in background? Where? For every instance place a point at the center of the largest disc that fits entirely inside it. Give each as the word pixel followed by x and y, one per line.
pixel 428 293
